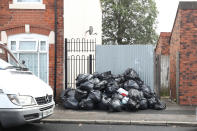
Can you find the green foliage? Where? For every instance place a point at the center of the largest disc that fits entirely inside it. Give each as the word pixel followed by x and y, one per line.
pixel 129 21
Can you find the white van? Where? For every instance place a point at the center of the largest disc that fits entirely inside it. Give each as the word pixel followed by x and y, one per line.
pixel 23 96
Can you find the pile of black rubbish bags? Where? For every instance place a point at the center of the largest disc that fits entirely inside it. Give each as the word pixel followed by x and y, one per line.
pixel 105 91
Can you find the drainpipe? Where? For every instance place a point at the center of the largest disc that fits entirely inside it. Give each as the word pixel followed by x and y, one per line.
pixel 55 70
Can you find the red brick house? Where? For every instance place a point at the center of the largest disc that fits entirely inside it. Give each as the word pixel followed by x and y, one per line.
pixel 183 54
pixel 32 29
pixel 163 44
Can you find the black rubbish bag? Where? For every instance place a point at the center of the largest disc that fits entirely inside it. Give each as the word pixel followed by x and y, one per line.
pixel 141 95
pixel 68 99
pixel 95 96
pixel 132 105
pixel 115 105
pixel 105 102
pixel 79 94
pixel 131 84
pixel 111 81
pixel 148 93
pixel 96 75
pixel 105 75
pixel 111 89
pixel 151 102
pixel 139 81
pixel 121 85
pixel 87 86
pixel 101 85
pixel 159 105
pixel 135 95
pixel 71 103
pixel 86 104
pixel 95 81
pixel 130 74
pixel 67 93
pixel 143 104
pixel 117 96
pixel 120 79
pixel 81 78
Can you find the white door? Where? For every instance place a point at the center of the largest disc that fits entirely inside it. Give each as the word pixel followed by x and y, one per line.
pixel 33 51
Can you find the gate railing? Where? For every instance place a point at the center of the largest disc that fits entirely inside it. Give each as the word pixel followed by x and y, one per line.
pixel 80 59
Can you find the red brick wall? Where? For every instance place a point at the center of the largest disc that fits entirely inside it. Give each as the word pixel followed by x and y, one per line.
pixel 16 17
pixel 41 22
pixel 163 44
pixel 188 58
pixel 174 48
pixel 184 40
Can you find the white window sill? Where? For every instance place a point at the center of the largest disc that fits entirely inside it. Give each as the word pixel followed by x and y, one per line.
pixel 27 6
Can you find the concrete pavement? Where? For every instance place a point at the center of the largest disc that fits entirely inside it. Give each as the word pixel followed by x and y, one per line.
pixel 173 115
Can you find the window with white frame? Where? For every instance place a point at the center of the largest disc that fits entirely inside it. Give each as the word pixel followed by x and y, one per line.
pixel 27 4
pixel 27 1
pixel 34 52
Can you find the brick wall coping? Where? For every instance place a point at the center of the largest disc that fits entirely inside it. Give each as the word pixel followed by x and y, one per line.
pixel 187 5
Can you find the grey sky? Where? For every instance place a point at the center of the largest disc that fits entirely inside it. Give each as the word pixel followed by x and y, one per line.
pixel 167 11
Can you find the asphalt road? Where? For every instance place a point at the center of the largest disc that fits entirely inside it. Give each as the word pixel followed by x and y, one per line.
pixel 91 127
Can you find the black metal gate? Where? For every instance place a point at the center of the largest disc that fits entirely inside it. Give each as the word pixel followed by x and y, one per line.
pixel 80 59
